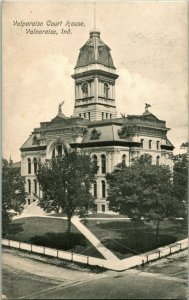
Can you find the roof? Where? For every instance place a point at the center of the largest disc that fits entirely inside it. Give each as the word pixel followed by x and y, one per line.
pixel 95 51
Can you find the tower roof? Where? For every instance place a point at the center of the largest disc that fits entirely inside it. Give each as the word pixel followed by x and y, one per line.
pixel 95 51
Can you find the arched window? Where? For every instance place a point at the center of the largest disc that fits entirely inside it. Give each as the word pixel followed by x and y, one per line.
pixel 95 162
pixel 150 144
pixel 157 145
pixel 142 143
pixel 106 90
pixel 85 89
pixel 110 116
pixel 103 164
pixel 35 165
pixel 35 186
pixel 29 186
pixel 157 160
pixel 150 158
pixel 124 160
pixel 59 149
pixel 95 189
pixel 106 115
pixel 103 189
pixel 29 165
pixel 89 116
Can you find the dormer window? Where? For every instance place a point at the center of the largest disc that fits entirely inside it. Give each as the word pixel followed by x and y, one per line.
pixel 106 90
pixel 85 89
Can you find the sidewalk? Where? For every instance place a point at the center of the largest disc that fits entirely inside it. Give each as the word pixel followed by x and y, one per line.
pixel 93 239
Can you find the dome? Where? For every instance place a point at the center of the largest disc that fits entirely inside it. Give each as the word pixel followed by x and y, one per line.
pixel 95 51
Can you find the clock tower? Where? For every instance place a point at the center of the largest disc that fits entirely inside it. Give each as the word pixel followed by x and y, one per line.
pixel 95 76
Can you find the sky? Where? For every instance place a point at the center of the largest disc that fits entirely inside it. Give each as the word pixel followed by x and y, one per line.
pixel 149 47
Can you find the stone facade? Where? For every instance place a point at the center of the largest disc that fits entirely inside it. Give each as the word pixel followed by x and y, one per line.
pixel 94 126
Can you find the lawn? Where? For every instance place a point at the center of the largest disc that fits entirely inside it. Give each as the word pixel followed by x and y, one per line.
pixel 122 238
pixel 50 233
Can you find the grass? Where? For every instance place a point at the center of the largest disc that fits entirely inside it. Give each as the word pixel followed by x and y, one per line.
pixel 122 238
pixel 50 233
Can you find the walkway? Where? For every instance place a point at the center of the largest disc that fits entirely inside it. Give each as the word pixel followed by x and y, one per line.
pixel 93 239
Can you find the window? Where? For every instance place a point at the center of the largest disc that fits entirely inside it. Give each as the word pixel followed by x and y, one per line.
pixel 150 144
pixel 103 189
pixel 29 202
pixel 85 89
pixel 59 149
pixel 29 186
pixel 94 159
pixel 157 145
pixel 35 186
pixel 84 115
pixel 142 143
pixel 53 153
pixel 110 116
pixel 102 116
pixel 29 165
pixel 103 164
pixel 35 165
pixel 95 189
pixel 80 115
pixel 106 90
pixel 157 160
pixel 124 160
pixel 106 115
pixel 89 116
pixel 103 208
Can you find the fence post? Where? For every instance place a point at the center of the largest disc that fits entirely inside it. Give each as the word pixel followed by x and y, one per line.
pixel 147 258
pixel 9 243
pixel 57 254
pixel 43 250
pixel 159 253
pixel 180 246
pixel 170 250
pixel 31 247
pixel 19 245
pixel 72 257
pixel 87 260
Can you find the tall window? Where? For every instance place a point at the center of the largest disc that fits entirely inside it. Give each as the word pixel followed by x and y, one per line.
pixel 35 186
pixel 53 153
pixel 84 115
pixel 150 144
pixel 106 90
pixel 106 115
pixel 124 160
pixel 157 160
pixel 29 165
pixel 59 149
pixel 89 116
pixel 142 143
pixel 103 164
pixel 103 189
pixel 157 145
pixel 102 116
pixel 35 165
pixel 29 186
pixel 85 89
pixel 95 189
pixel 110 116
pixel 95 162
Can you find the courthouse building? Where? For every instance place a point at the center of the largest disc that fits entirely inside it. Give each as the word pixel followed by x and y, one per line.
pixel 95 127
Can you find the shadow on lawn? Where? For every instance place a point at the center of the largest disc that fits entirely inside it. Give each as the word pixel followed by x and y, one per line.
pixel 59 240
pixel 14 228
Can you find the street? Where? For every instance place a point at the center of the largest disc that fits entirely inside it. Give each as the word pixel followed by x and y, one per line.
pixel 25 278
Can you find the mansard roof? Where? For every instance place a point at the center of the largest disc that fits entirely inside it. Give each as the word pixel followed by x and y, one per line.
pixel 95 51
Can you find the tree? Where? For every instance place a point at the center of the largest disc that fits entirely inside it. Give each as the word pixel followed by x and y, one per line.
pixel 66 183
pixel 141 190
pixel 13 192
pixel 180 181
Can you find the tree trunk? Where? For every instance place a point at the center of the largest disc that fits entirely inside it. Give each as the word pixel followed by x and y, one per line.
pixel 157 233
pixel 69 232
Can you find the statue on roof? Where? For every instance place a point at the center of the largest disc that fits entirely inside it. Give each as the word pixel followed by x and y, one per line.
pixel 147 106
pixel 60 107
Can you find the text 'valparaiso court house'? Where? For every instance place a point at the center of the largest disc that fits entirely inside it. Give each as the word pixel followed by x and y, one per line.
pixel 95 127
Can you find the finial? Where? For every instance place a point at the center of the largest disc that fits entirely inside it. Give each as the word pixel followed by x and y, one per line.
pixel 60 107
pixel 146 107
pixel 94 15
